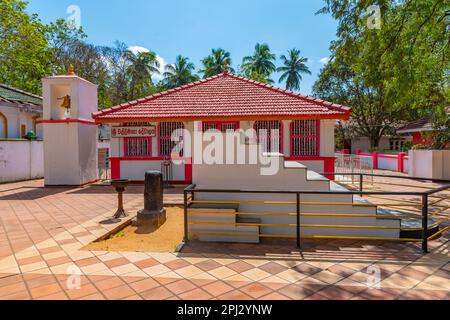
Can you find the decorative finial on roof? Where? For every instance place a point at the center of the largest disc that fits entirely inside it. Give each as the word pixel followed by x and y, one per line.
pixel 71 70
pixel 225 68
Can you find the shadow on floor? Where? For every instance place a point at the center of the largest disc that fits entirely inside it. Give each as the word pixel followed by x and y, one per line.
pixel 33 193
pixel 311 250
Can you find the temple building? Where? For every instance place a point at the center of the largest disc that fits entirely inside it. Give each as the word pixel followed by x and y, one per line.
pixel 141 130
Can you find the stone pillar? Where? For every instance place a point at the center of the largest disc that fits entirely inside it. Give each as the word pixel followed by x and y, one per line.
pixel 153 215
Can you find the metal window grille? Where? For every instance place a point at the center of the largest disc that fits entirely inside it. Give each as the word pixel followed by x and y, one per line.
pixel 138 147
pixel 304 138
pixel 221 126
pixel 267 135
pixel 166 145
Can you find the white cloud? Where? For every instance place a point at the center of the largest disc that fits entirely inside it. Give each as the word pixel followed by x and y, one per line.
pixel 325 60
pixel 161 60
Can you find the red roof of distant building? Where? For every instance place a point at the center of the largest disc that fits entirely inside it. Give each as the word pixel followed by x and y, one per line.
pixel 223 97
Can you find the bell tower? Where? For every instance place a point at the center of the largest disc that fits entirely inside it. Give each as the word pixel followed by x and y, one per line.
pixel 70 133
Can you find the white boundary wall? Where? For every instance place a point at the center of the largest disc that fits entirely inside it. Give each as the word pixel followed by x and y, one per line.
pixel 21 160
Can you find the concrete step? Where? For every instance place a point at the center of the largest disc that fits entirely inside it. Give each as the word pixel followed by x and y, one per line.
pixel 221 207
pixel 232 233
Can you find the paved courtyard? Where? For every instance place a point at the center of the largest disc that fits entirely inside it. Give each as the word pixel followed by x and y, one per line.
pixel 43 231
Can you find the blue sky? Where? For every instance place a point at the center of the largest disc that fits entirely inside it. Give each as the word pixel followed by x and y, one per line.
pixel 193 27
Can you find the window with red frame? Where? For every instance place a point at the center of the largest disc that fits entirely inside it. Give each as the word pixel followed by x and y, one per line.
pixel 138 147
pixel 269 134
pixel 166 145
pixel 305 138
pixel 221 126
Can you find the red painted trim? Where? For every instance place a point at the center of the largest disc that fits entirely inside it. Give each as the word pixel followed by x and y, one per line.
pixel 115 168
pixel 298 158
pixel 388 156
pixel 147 158
pixel 375 156
pixel 401 162
pixel 291 137
pixel 219 124
pixel 92 123
pixel 328 166
pixel 188 171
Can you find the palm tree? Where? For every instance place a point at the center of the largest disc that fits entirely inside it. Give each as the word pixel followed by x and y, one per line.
pixel 261 62
pixel 179 73
pixel 140 68
pixel 292 69
pixel 215 63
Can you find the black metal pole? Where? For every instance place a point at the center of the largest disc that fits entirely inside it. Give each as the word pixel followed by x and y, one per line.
pixel 361 182
pixel 425 223
pixel 186 230
pixel 298 220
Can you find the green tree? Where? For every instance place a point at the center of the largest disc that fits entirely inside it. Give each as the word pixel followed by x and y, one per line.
pixel 141 67
pixel 23 47
pixel 261 63
pixel 180 73
pixel 215 63
pixel 293 67
pixel 395 72
pixel 29 49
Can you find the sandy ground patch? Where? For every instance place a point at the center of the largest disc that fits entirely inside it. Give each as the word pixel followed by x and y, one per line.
pixel 165 239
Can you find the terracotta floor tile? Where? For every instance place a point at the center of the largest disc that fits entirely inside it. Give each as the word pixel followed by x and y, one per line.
pixel 45 290
pixel 208 265
pixel 327 276
pixel 217 288
pixel 307 269
pixel 118 292
pixel 109 283
pixel 234 295
pixel 274 296
pixel 116 262
pixel 95 296
pixel 256 290
pixel 85 290
pixel 41 281
pixel 58 261
pixel 181 286
pixel 196 294
pixel 340 270
pixel 87 261
pixel 12 288
pixel 273 268
pixel 335 293
pixel 240 266
pixel 295 292
pixel 10 279
pixel 316 297
pixel 144 285
pixel 55 296
pixel 150 262
pixel 21 295
pixel 159 293
pixel 174 264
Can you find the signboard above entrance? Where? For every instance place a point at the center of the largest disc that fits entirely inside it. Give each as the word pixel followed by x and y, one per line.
pixel 133 132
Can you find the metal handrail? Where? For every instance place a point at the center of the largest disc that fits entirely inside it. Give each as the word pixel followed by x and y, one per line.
pixel 191 189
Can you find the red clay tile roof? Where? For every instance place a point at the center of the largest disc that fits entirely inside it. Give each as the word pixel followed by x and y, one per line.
pixel 223 97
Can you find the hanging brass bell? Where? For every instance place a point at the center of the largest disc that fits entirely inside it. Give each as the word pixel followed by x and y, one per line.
pixel 66 102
